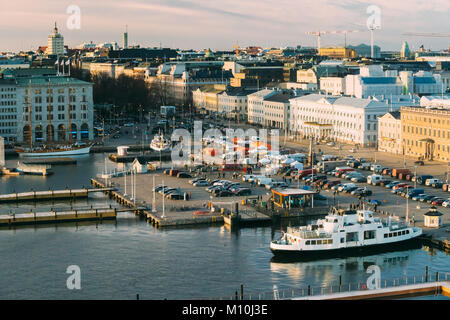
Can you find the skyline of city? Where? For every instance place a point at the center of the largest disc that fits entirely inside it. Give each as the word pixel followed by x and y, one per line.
pixel 198 25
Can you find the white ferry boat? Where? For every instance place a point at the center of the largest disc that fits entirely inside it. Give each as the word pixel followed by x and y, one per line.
pixel 159 143
pixel 72 150
pixel 344 233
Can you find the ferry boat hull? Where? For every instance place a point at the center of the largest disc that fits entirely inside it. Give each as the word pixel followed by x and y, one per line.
pixel 343 252
pixel 71 152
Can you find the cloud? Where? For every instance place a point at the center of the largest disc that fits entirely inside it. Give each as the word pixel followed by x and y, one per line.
pixel 221 23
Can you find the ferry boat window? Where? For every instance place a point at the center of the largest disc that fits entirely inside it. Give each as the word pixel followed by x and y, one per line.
pixel 330 241
pixel 395 234
pixel 313 241
pixel 390 235
pixel 319 241
pixel 335 220
pixel 407 231
pixel 369 235
pixel 342 240
pixel 308 242
pixel 385 235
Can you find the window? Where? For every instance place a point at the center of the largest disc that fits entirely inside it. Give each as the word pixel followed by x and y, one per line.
pixel 313 242
pixel 342 240
pixel 308 242
pixel 385 235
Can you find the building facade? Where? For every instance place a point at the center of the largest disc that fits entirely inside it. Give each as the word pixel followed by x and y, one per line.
pixel 426 133
pixel 390 133
pixel 55 43
pixel 256 105
pixel 276 111
pixel 233 103
pixel 343 119
pixel 332 85
pixel 46 109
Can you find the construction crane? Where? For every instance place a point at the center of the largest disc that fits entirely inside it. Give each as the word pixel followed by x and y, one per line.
pixel 320 33
pixel 424 34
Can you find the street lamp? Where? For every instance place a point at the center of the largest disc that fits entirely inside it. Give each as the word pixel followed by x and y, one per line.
pixel 415 176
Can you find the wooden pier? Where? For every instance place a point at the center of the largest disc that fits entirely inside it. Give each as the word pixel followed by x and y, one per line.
pixel 422 289
pixel 154 156
pixel 49 195
pixel 58 217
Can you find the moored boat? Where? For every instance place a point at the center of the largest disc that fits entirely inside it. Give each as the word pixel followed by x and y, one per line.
pixel 159 143
pixel 60 151
pixel 344 233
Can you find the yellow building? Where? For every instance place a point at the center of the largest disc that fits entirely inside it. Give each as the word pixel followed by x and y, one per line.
pixel 342 53
pixel 426 133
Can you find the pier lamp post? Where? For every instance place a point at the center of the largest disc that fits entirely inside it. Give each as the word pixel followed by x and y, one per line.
pixel 163 204
pixel 125 182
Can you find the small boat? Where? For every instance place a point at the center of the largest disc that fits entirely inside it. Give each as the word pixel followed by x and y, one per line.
pixel 159 143
pixel 34 169
pixel 59 151
pixel 349 232
pixel 10 171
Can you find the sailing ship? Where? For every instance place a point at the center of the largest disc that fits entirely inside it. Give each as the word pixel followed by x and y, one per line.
pixel 159 143
pixel 52 150
pixel 349 232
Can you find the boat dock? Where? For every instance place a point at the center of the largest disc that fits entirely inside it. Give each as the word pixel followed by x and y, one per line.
pixel 422 289
pixel 153 156
pixel 49 195
pixel 57 217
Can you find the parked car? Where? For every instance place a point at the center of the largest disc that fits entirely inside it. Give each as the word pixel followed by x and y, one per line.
pixel 446 203
pixel 360 178
pixel 430 201
pixel 175 196
pixel 183 175
pixel 243 192
pixel 418 197
pixel 419 163
pixel 425 199
pixel 392 184
pixel 438 201
pixel 159 187
pixel 223 193
pixel 201 183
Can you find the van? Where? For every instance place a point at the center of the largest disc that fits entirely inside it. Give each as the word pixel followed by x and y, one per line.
pixel 327 157
pixel 374 179
pixel 263 181
pixel 430 182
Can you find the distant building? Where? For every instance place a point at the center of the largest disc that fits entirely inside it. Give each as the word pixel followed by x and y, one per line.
pixel 405 53
pixel 337 53
pixel 332 85
pixel 390 133
pixel 233 103
pixel 50 98
pixel 55 44
pixel 344 119
pixel 256 105
pixel 206 98
pixel 276 110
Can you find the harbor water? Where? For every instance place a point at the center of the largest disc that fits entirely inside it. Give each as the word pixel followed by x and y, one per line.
pixel 119 259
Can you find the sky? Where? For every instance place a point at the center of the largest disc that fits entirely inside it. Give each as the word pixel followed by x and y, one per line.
pixel 220 25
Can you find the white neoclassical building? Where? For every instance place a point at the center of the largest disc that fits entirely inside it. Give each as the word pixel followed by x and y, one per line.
pixel 390 133
pixel 344 119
